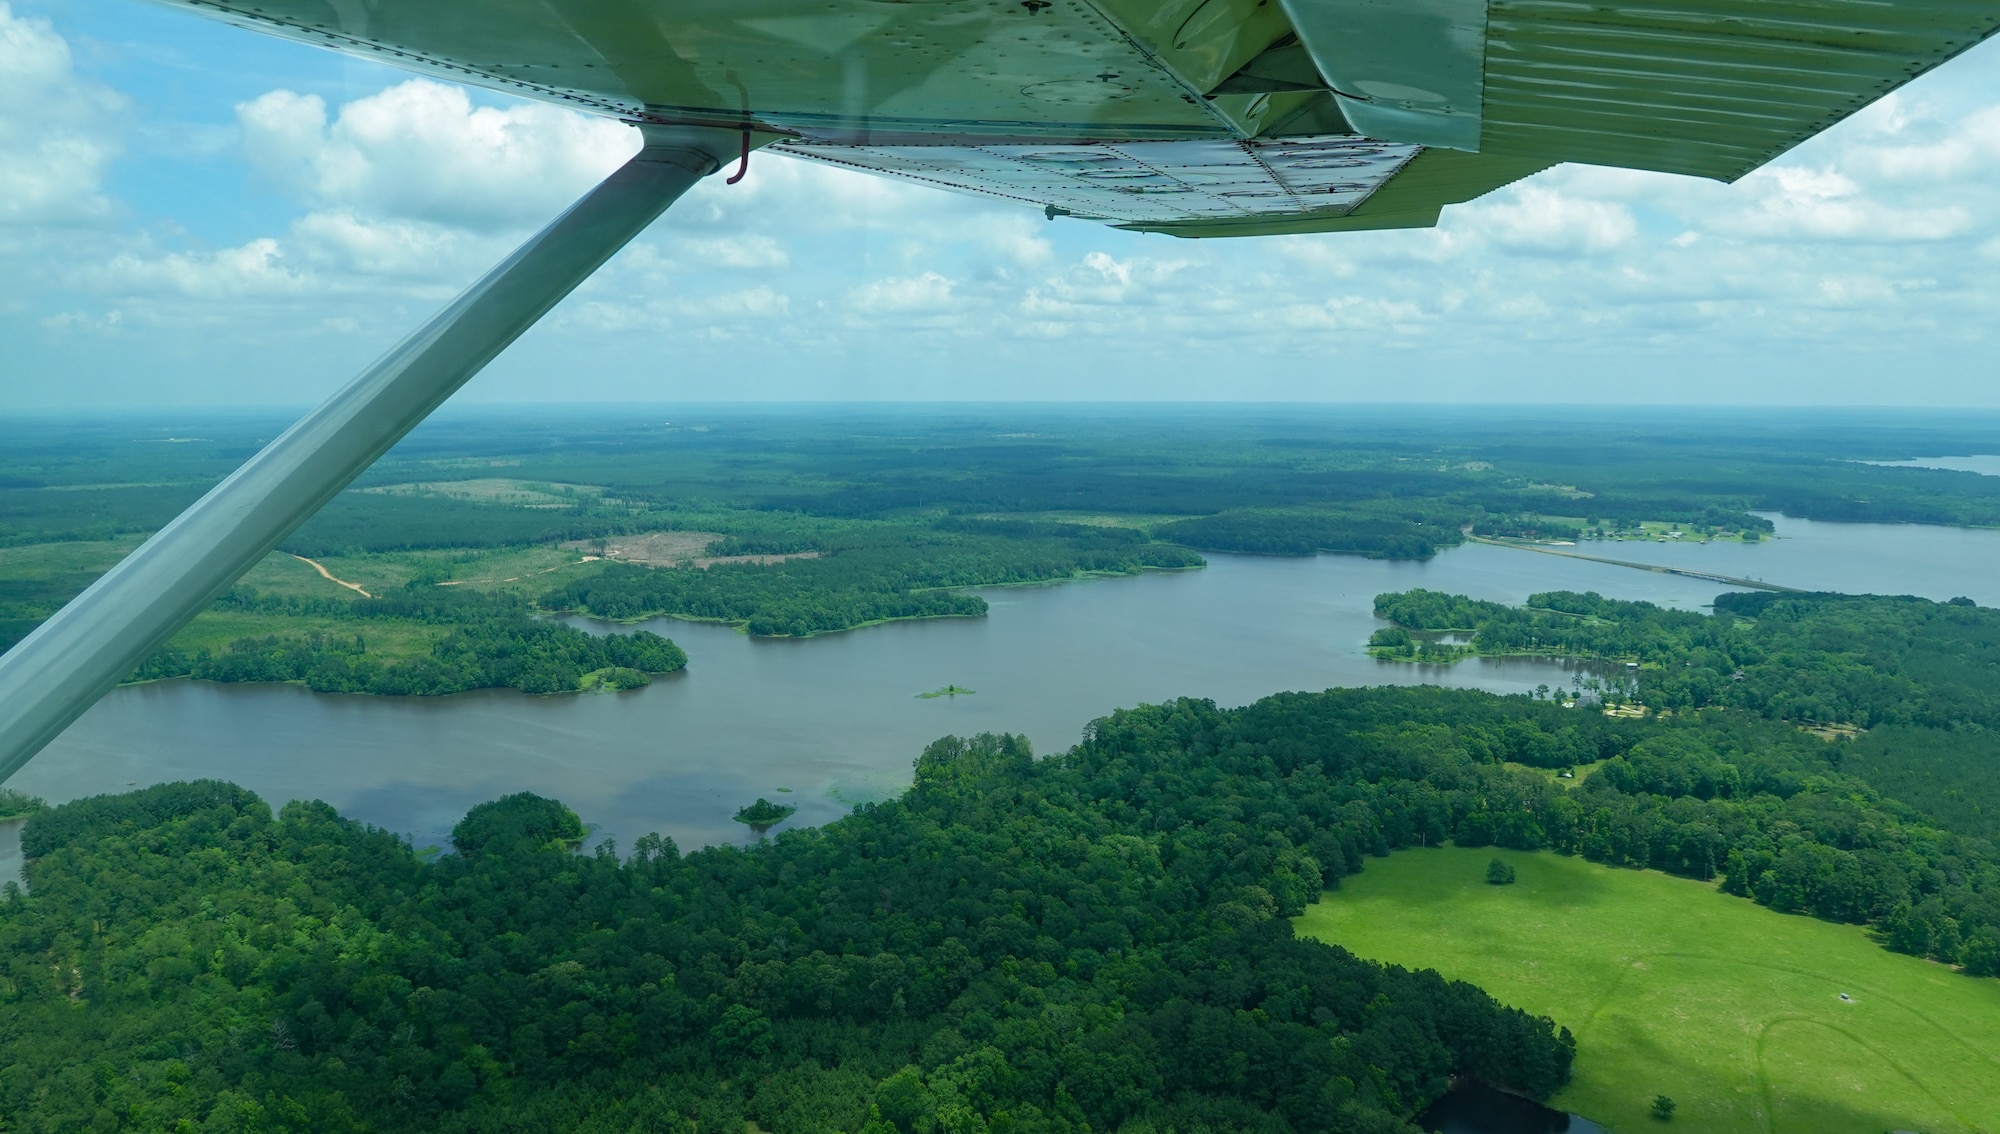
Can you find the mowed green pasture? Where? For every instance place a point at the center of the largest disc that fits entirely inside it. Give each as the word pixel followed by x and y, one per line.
pixel 1674 988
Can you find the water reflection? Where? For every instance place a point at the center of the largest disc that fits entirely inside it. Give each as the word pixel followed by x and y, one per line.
pixel 1474 1108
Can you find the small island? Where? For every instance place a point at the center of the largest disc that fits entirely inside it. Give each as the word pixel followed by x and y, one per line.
pixel 763 815
pixel 946 691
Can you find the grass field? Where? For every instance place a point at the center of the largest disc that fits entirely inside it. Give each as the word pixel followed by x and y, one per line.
pixel 1674 988
pixel 36 579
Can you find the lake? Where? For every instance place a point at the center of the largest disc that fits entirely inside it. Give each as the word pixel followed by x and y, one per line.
pixel 829 722
pixel 1985 464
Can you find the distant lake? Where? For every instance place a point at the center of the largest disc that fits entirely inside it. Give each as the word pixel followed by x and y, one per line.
pixel 838 721
pixel 1986 464
pixel 1815 555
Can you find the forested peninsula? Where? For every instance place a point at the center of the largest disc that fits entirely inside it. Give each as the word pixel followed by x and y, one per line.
pixel 1862 660
pixel 857 575
pixel 475 641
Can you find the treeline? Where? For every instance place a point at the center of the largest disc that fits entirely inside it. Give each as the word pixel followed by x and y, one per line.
pixel 1278 531
pixel 68 514
pixel 1372 770
pixel 1525 527
pixel 898 572
pixel 16 804
pixel 487 642
pixel 1092 942
pixel 376 521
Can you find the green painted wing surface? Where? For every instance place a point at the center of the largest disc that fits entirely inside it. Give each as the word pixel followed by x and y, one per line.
pixel 1190 117
pixel 1713 88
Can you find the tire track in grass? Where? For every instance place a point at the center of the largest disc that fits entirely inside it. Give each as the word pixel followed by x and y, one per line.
pixel 1766 1090
pixel 1887 1060
pixel 329 576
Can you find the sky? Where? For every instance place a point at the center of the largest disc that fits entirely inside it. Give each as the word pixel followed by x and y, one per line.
pixel 193 215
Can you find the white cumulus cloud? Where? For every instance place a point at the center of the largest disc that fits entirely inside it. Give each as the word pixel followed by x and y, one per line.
pixel 1537 219
pixel 58 131
pixel 927 292
pixel 257 268
pixel 421 150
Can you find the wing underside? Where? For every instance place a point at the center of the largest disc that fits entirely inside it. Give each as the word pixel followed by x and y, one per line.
pixel 1259 186
pixel 1193 117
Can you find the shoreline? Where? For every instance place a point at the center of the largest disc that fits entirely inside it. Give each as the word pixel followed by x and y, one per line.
pixel 1559 654
pixel 740 624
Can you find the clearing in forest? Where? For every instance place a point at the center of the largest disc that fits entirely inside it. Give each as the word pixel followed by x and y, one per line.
pixel 1673 988
pixel 673 549
pixel 497 490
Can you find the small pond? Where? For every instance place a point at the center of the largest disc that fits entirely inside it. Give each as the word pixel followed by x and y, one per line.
pixel 1474 1108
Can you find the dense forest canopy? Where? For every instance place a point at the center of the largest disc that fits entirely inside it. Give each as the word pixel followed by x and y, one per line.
pixel 1919 680
pixel 1091 941
pixel 1389 531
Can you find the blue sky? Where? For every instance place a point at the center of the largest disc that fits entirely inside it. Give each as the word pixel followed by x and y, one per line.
pixel 194 215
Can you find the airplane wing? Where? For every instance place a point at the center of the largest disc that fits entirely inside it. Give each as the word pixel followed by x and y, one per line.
pixel 1190 117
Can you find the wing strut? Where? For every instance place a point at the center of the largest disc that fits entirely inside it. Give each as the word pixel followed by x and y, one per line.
pixel 50 677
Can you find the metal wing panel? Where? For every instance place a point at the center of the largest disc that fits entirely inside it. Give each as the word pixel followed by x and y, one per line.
pixel 1412 198
pixel 1146 182
pixel 1056 68
pixel 1404 69
pixel 1713 88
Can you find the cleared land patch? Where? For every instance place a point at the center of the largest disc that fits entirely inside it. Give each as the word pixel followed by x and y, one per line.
pixel 1089 519
pixel 673 549
pixel 496 490
pixel 654 549
pixel 1673 988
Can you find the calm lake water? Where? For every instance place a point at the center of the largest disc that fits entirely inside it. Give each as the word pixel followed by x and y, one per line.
pixel 829 722
pixel 1883 559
